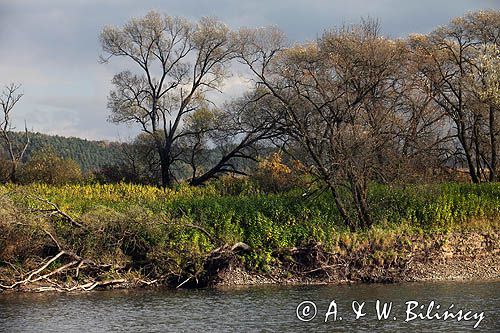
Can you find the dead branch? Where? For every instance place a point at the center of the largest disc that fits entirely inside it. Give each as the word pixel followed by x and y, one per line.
pixel 33 273
pixel 53 239
pixel 204 231
pixel 85 287
pixel 58 287
pixel 78 268
pixel 60 269
pixel 57 210
pixel 101 284
pixel 147 283
pixel 184 282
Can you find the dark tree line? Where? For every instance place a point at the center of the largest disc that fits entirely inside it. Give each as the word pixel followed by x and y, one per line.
pixel 90 155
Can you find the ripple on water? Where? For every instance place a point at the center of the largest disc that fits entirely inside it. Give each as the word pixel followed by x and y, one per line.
pixel 249 309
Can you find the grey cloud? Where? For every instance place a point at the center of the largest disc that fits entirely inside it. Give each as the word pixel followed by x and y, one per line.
pixel 52 47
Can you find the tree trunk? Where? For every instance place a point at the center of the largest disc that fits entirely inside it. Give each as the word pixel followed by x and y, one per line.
pixel 13 172
pixel 197 181
pixel 472 169
pixel 493 143
pixel 468 157
pixel 363 208
pixel 359 198
pixel 166 179
pixel 343 212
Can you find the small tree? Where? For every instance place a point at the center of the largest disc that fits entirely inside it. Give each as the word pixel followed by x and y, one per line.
pixel 15 150
pixel 273 175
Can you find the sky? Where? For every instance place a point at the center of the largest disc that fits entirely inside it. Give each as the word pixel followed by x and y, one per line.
pixel 52 47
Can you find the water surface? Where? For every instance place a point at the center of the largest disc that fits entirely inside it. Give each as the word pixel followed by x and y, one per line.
pixel 250 309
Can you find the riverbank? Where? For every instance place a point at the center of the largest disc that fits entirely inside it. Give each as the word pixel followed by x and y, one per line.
pixel 88 237
pixel 456 257
pixel 452 257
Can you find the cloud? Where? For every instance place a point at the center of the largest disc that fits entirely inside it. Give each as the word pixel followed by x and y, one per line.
pixel 52 46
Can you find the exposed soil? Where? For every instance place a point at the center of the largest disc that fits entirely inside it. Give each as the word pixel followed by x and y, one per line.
pixel 453 257
pixel 473 256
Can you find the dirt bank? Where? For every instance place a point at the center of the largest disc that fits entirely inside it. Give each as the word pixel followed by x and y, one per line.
pixel 458 256
pixel 471 256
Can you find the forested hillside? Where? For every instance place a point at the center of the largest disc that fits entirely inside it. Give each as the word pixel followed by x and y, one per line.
pixel 90 155
pixel 94 155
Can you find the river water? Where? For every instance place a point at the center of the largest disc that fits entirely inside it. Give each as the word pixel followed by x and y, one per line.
pixel 259 309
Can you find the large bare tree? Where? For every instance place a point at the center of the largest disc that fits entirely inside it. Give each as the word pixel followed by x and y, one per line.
pixel 178 62
pixel 338 97
pixel 455 61
pixel 15 150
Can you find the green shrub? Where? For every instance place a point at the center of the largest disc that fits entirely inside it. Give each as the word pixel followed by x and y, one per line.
pixel 47 167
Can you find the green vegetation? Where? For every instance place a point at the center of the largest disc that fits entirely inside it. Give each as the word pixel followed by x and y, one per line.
pixel 287 218
pixel 90 155
pixel 47 167
pixel 149 232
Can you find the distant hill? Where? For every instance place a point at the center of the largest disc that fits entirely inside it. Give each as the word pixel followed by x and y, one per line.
pixel 90 155
pixel 93 155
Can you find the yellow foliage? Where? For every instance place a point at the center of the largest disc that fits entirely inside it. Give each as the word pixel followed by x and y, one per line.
pixel 275 176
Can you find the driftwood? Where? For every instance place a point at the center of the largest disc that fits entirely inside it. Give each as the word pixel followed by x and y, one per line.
pixel 32 276
pixel 214 263
pixel 87 275
pixel 84 287
pixel 55 210
pixel 76 263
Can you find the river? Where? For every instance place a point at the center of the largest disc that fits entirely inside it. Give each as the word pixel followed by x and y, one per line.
pixel 260 309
